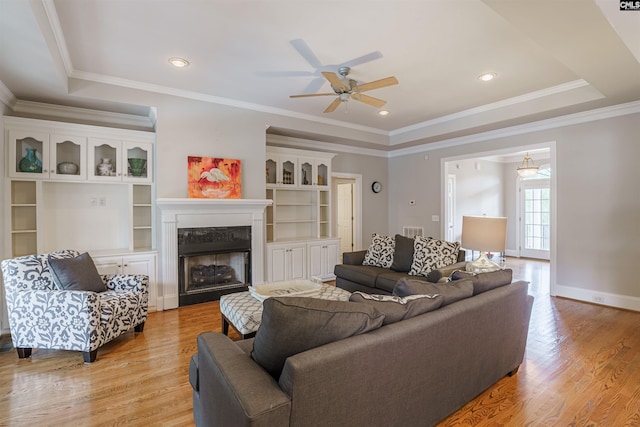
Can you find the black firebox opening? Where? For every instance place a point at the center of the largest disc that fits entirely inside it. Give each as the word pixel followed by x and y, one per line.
pixel 213 261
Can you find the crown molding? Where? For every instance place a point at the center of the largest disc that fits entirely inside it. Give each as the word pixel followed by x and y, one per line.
pixel 309 144
pixel 165 90
pixel 83 114
pixel 568 120
pixel 576 84
pixel 6 96
pixel 58 35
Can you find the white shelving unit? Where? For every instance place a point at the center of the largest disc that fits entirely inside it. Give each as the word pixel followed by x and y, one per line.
pixel 107 216
pixel 298 223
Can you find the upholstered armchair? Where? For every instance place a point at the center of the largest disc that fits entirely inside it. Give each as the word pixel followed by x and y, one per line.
pixel 43 316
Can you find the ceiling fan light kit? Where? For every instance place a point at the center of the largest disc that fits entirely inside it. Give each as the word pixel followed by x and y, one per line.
pixel 347 89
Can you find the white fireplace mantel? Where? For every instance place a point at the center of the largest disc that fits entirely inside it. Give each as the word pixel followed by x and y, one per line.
pixel 190 213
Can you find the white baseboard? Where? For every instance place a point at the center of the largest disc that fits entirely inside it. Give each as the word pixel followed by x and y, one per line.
pixel 597 297
pixel 511 252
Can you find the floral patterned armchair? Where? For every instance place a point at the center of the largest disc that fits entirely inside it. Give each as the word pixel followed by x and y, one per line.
pixel 41 316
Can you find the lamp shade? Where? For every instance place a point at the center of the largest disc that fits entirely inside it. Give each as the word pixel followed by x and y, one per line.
pixel 484 233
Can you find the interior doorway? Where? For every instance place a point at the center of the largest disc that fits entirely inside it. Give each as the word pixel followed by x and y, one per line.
pixel 535 215
pixel 346 215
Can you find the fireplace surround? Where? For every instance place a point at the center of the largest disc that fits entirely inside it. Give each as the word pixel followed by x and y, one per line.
pixel 178 214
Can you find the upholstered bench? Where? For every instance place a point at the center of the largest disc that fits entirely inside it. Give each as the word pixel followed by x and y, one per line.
pixel 244 312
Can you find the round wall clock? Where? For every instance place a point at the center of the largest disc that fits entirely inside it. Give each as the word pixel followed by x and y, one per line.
pixel 376 187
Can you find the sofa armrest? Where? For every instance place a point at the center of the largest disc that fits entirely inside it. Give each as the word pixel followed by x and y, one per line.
pixel 435 275
pixel 138 283
pixel 235 390
pixel 353 258
pixel 61 319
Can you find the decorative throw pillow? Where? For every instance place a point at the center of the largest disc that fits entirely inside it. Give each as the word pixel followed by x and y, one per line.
pixel 429 254
pixel 380 252
pixel 450 291
pixel 291 325
pixel 483 282
pixel 76 274
pixel 403 254
pixel 397 308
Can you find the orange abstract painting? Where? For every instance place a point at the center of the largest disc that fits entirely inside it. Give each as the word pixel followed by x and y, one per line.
pixel 214 178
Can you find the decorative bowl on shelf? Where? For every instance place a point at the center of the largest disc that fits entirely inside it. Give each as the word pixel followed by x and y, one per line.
pixel 137 166
pixel 67 168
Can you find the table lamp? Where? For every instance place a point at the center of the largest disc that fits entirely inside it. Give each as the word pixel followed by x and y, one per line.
pixel 484 234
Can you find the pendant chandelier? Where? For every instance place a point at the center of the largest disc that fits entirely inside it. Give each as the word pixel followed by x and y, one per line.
pixel 527 168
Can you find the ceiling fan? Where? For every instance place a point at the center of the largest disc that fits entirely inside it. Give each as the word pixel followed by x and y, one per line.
pixel 347 89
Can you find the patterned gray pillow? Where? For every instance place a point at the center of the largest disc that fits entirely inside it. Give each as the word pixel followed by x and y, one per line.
pixel 429 254
pixel 380 252
pixel 397 308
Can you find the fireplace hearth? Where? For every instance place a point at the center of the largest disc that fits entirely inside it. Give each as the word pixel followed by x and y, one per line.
pixel 213 261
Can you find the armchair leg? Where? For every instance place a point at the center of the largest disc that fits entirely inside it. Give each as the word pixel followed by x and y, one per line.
pixel 139 328
pixel 89 356
pixel 23 352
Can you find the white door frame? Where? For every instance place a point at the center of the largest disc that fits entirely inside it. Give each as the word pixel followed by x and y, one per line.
pixel 357 206
pixel 551 145
pixel 450 208
pixel 520 186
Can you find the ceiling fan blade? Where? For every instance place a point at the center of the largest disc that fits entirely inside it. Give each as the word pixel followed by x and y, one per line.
pixel 305 51
pixel 312 94
pixel 389 81
pixel 337 84
pixel 370 100
pixel 363 59
pixel 332 107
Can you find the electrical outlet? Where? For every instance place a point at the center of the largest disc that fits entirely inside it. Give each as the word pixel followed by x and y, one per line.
pixel 435 218
pixel 598 299
pixel 102 201
pixel 93 201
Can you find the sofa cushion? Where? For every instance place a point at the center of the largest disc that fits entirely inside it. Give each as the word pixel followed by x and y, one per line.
pixel 403 254
pixel 363 274
pixel 380 252
pixel 430 254
pixel 483 282
pixel 397 308
pixel 291 325
pixel 76 274
pixel 387 280
pixel 450 291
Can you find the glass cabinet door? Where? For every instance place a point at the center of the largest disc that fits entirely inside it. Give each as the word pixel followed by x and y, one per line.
pixel 28 154
pixel 306 173
pixel 322 175
pixel 288 171
pixel 67 157
pixel 138 161
pixel 104 163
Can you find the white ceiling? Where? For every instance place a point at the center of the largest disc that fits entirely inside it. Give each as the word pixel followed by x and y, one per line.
pixel 551 57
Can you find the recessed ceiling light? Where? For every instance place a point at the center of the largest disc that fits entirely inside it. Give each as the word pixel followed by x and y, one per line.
pixel 383 112
pixel 487 76
pixel 178 62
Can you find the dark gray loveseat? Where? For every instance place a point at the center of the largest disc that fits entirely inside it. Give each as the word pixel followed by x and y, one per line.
pixel 413 372
pixel 352 276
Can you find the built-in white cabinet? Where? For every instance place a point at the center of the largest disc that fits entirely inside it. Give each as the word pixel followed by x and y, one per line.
pixel 298 223
pixel 137 263
pixel 41 155
pixel 55 199
pixel 286 261
pixel 281 170
pixel 113 160
pixel 323 256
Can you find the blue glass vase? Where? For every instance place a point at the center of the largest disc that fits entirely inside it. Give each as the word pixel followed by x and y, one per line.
pixel 30 163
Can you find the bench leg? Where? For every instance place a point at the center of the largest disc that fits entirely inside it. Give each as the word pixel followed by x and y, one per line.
pixel 23 352
pixel 225 325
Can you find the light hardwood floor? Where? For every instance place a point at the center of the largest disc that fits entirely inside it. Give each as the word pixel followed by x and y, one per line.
pixel 582 368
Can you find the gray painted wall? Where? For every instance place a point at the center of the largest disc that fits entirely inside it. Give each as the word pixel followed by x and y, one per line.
pixel 598 202
pixel 375 206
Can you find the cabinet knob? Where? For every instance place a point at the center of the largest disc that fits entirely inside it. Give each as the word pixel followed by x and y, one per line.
pixel 126 265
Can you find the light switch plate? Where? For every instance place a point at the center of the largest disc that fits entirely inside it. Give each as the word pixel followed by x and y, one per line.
pixel 435 218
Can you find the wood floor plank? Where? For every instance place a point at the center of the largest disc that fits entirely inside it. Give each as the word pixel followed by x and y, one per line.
pixel 581 368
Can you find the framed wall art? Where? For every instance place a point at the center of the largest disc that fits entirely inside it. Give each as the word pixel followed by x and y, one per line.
pixel 214 178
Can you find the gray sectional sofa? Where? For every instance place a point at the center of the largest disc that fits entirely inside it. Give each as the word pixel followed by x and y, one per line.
pixel 413 372
pixel 353 276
